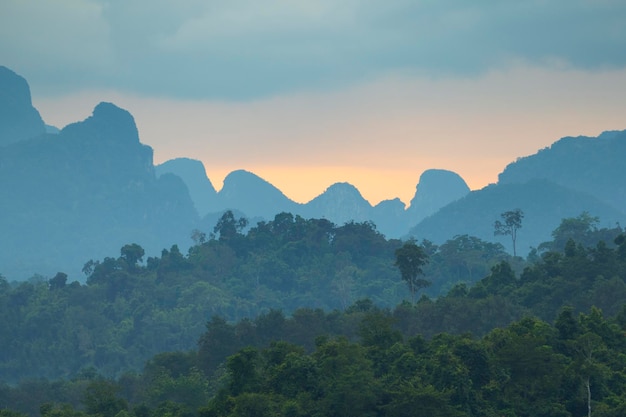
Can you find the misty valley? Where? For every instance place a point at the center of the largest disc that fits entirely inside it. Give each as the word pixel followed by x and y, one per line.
pixel 134 290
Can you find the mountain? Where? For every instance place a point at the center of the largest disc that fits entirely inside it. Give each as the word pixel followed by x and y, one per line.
pixel 193 174
pixel 340 203
pixel 544 205
pixel 594 165
pixel 19 120
pixel 436 189
pixel 82 194
pixel 252 195
pixel 255 198
pixel 390 218
pixel 574 175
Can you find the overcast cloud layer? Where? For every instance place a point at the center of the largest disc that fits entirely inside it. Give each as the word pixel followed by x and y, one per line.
pixel 309 92
pixel 241 49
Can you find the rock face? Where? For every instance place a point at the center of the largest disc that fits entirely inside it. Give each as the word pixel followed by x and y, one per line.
pixel 390 218
pixel 192 172
pixel 84 193
pixel 107 123
pixel 340 203
pixel 253 195
pixel 19 120
pixel 544 205
pixel 573 175
pixel 590 165
pixel 436 189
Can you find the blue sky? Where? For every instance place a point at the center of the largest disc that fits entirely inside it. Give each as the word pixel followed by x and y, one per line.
pixel 371 92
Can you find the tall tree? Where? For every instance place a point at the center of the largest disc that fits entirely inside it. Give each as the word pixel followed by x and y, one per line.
pixel 512 222
pixel 132 254
pixel 228 227
pixel 410 259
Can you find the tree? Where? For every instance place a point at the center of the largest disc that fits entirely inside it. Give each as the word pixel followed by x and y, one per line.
pixel 100 398
pixel 132 254
pixel 512 223
pixel 410 258
pixel 198 237
pixel 228 227
pixel 58 282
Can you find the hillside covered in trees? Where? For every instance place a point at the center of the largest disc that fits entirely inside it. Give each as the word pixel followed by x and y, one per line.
pixel 303 317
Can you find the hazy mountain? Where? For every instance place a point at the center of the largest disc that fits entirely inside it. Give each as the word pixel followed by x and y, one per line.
pixel 544 205
pixel 340 203
pixel 254 198
pixel 19 120
pixel 436 189
pixel 253 195
pixel 192 172
pixel 592 165
pixel 390 218
pixel 84 193
pixel 88 189
pixel 573 175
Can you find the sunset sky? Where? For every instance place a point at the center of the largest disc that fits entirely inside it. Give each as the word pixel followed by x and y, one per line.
pixel 311 92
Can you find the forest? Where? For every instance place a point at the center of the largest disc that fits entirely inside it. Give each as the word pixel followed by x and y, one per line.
pixel 301 317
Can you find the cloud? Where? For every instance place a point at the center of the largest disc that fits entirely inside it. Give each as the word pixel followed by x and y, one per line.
pixel 242 49
pixel 55 41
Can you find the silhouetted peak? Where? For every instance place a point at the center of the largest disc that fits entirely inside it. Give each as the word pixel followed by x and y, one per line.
pixel 19 120
pixel 190 170
pixel 340 193
pixel 240 180
pixel 242 183
pixel 439 184
pixel 242 175
pixel 193 173
pixel 613 134
pixel 394 204
pixel 340 203
pixel 344 188
pixel 14 87
pixel 436 189
pixel 108 122
pixel 253 195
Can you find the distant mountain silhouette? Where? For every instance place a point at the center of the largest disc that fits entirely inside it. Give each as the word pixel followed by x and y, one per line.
pixel 83 193
pixel 340 203
pixel 192 172
pixel 254 197
pixel 436 189
pixel 19 120
pixel 390 218
pixel 247 192
pixel 592 165
pixel 571 176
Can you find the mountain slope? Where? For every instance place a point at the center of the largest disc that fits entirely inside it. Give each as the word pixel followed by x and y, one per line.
pixel 592 165
pixel 83 194
pixel 19 120
pixel 339 203
pixel 544 204
pixel 193 174
pixel 249 193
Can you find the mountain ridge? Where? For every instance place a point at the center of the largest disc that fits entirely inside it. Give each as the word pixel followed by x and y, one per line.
pixel 88 189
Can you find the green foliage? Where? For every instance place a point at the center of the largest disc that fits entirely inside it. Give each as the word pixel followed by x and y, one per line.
pixel 307 318
pixel 101 399
pixel 510 224
pixel 410 260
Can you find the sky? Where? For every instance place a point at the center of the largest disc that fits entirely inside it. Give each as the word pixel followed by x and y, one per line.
pixel 311 92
